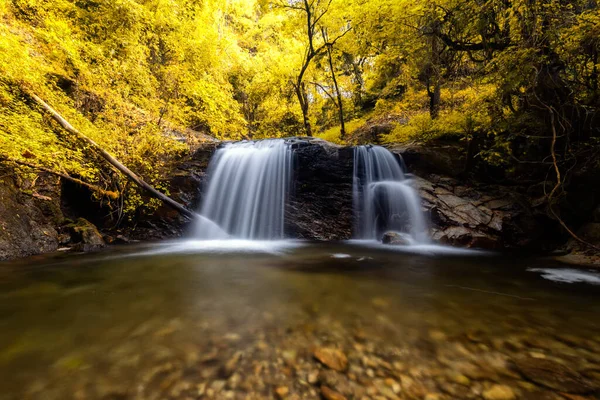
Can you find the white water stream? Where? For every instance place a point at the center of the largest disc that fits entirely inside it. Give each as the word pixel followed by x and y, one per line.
pixel 384 200
pixel 247 191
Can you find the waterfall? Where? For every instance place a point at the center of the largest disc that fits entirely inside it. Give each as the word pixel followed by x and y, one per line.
pixel 247 190
pixel 383 198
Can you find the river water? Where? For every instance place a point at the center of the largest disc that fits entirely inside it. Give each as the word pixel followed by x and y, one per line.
pixel 237 320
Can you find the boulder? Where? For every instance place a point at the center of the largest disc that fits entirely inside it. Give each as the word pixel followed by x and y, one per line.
pixel 85 235
pixel 395 238
pixel 577 253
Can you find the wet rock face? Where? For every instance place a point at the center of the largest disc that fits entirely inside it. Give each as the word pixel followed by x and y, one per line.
pixel 320 203
pixel 470 213
pixel 186 183
pixel 29 214
pixel 481 216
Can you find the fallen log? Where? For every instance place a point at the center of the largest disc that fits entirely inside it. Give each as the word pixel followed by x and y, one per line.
pixel 113 161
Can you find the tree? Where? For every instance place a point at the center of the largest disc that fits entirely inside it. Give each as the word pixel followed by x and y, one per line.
pixel 338 99
pixel 313 12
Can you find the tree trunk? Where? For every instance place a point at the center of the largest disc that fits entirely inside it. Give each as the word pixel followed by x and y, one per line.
pixel 435 72
pixel 303 100
pixel 475 142
pixel 340 104
pixel 114 162
pixel 434 100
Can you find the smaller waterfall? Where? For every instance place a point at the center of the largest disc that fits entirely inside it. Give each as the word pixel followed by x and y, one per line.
pixel 247 190
pixel 383 198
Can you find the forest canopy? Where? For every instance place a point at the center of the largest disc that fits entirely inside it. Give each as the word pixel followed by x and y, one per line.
pixel 516 81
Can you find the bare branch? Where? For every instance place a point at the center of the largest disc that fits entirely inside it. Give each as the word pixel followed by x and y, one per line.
pixel 324 91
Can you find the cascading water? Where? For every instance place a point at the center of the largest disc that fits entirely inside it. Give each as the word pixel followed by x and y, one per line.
pixel 383 198
pixel 247 190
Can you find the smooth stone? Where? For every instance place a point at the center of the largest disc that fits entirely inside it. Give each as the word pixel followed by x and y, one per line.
pixel 282 392
pixel 460 379
pixel 330 394
pixel 395 238
pixel 499 392
pixel 332 358
pixel 395 386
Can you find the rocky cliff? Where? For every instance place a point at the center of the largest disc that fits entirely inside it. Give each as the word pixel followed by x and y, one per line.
pixel 30 215
pixel 42 215
pixel 320 203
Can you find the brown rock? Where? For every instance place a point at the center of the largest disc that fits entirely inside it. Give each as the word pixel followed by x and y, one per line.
pixel 331 394
pixel 282 392
pixel 395 238
pixel 86 235
pixel 332 358
pixel 499 392
pixel 553 375
pixel 230 366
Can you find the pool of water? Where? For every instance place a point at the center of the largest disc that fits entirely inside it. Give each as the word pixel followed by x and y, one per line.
pixel 245 320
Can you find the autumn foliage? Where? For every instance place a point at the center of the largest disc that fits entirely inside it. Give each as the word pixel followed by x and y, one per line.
pixel 144 78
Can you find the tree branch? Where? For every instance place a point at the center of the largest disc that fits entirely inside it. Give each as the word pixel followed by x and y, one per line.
pixel 559 182
pixel 108 193
pixel 113 161
pixel 324 91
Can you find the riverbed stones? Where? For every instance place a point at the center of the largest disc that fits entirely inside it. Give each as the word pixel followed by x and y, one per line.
pixel 331 358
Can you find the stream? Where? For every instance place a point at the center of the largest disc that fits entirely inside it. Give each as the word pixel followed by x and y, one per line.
pixel 291 319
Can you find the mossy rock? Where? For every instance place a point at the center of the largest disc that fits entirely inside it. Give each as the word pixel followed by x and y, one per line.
pixel 86 235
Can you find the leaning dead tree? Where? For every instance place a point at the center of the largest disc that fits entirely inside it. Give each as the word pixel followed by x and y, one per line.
pixel 113 161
